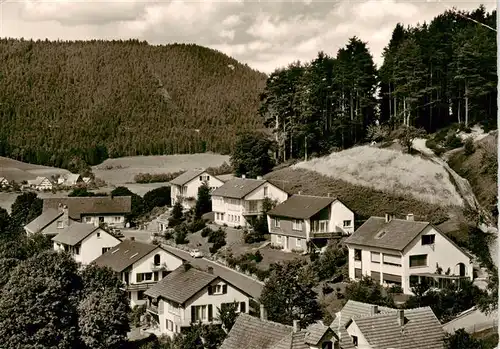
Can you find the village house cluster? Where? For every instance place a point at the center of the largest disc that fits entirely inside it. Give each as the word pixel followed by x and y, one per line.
pixel 178 289
pixel 9 179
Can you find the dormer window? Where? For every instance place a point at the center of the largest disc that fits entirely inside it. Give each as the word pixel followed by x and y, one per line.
pixel 380 235
pixel 327 345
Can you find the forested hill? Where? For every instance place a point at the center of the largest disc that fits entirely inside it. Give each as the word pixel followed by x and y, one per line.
pixel 93 99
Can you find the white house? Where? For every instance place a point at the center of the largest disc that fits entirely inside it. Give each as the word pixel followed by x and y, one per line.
pixel 250 332
pixel 304 220
pixel 93 210
pixel 69 180
pixel 184 188
pixel 405 252
pixel 40 183
pixel 84 242
pixel 140 266
pixel 240 200
pixel 4 182
pixel 192 295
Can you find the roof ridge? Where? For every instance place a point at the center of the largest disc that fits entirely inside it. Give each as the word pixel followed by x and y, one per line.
pixel 400 219
pixel 277 324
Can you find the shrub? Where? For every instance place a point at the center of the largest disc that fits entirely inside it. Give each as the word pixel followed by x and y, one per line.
pixel 218 238
pixel 258 256
pixel 469 148
pixel 181 234
pixel 206 232
pixel 156 177
pixel 135 315
pixel 196 225
pixel 223 169
pixel 452 141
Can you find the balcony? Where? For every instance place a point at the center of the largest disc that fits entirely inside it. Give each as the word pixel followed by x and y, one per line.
pixel 158 267
pixel 152 309
pixel 252 207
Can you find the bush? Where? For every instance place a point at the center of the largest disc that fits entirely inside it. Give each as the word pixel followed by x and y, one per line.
pixel 469 147
pixel 218 238
pixel 196 225
pixel 135 315
pixel 223 169
pixel 206 232
pixel 181 234
pixel 453 141
pixel 156 177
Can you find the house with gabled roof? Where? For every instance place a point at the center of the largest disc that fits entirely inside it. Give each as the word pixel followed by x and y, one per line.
pixel 240 200
pixel 49 223
pixel 305 222
pixel 70 179
pixel 250 332
pixel 140 266
pixel 93 210
pixel 406 252
pixel 85 242
pixel 184 188
pixel 189 295
pixel 4 182
pixel 40 183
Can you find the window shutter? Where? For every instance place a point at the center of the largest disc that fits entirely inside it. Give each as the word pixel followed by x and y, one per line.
pixel 210 290
pixel 210 314
pixel 193 314
pixel 224 289
pixel 139 277
pixel 243 307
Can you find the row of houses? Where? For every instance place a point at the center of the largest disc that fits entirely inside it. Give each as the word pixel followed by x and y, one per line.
pixel 47 183
pixel 390 250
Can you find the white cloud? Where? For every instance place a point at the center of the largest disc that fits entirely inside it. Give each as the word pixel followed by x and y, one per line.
pixel 263 34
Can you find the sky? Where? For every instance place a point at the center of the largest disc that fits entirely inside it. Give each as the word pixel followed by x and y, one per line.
pixel 264 34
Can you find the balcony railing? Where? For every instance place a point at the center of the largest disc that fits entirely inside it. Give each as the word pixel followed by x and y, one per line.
pixel 254 208
pixel 152 308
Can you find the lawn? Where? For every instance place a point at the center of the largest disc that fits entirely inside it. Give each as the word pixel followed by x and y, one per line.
pixel 122 170
pixel 389 171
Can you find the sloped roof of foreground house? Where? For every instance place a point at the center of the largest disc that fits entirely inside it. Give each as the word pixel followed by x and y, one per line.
pixel 75 233
pixel 238 188
pixel 187 176
pixel 90 205
pixel 39 223
pixel 422 330
pixel 395 234
pixel 250 332
pixel 301 206
pixel 125 254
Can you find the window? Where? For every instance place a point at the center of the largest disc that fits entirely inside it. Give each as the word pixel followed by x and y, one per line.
pixel 148 276
pixel 355 340
pixel 173 308
pixel 357 255
pixel 101 220
pixel 418 261
pixel 375 257
pixel 265 191
pixel 157 259
pixel 77 250
pixel 298 242
pixel 276 222
pixel 118 219
pixel 88 219
pixel 297 224
pixel 322 226
pixel 144 277
pixel 60 224
pixel 98 235
pixel 140 295
pixel 390 259
pixel 327 345
pixel 169 325
pixel 428 239
pixel 217 289
pixel 200 313
pixel 105 249
pixel 347 223
pixel 204 178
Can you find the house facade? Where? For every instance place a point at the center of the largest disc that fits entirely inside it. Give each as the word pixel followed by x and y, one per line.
pixel 303 222
pixel 40 183
pixel 190 295
pixel 406 252
pixel 140 266
pixel 69 180
pixel 94 210
pixel 184 188
pixel 4 182
pixel 84 242
pixel 240 200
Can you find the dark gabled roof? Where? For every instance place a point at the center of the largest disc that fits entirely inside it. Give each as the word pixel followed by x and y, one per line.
pixel 125 254
pixel 39 223
pixel 395 234
pixel 75 233
pixel 353 309
pixel 249 332
pixel 180 285
pixel 301 206
pixel 421 331
pixel 238 188
pixel 186 177
pixel 91 205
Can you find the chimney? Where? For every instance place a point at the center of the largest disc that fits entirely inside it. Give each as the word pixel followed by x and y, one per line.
pixel 401 317
pixel 243 176
pixel 65 216
pixel 263 312
pixel 132 238
pixel 410 217
pixel 210 270
pixel 374 310
pixel 187 266
pixel 259 177
pixel 296 326
pixel 388 217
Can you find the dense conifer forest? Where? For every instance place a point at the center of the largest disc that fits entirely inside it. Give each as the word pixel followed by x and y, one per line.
pixel 433 75
pixel 97 99
pixel 61 101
